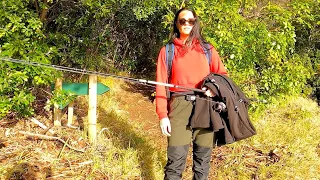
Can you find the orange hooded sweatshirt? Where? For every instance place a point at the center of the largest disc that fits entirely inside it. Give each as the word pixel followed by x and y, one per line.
pixel 189 67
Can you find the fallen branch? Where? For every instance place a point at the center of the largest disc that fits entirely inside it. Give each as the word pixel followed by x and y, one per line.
pixel 65 144
pixel 50 138
pixel 34 120
pixel 85 163
pixel 55 177
pixel 7 122
pixel 72 127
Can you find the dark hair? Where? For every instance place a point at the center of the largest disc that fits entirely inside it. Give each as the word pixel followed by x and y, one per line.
pixel 195 33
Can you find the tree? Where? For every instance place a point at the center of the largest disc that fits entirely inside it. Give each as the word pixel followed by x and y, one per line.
pixel 21 37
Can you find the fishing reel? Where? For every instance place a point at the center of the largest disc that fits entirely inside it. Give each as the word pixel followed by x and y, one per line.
pixel 220 107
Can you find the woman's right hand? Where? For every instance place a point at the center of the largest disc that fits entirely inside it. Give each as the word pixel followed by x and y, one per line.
pixel 165 126
pixel 208 92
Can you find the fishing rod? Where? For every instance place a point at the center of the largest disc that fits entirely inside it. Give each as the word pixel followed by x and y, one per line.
pixel 88 72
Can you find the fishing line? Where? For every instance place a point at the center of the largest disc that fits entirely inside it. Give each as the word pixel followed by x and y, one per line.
pixel 88 72
pixel 145 82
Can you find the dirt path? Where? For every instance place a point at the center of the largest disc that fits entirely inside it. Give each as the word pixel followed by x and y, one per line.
pixel 137 101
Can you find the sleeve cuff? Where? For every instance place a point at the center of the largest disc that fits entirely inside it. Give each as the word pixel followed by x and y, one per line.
pixel 162 115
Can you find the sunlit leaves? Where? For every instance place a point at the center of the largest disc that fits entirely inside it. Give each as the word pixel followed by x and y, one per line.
pixel 257 42
pixel 22 37
pixel 270 48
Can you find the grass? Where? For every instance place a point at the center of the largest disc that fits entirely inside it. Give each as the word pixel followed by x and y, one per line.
pixel 287 146
pixel 130 153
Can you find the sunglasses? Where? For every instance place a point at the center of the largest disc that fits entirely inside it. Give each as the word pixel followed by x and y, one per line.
pixel 183 21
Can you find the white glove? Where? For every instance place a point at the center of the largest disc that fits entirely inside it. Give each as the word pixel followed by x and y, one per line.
pixel 165 126
pixel 208 92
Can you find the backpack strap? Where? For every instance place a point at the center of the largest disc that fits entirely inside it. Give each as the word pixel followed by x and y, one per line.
pixel 208 52
pixel 169 58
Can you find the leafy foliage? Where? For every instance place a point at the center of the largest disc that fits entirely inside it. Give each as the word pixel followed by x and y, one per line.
pixel 110 35
pixel 271 48
pixel 307 24
pixel 60 99
pixel 258 47
pixel 21 37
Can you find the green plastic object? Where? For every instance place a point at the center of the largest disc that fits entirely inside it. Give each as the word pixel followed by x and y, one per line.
pixel 83 88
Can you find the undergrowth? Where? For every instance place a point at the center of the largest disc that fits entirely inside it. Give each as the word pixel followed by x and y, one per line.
pixel 287 146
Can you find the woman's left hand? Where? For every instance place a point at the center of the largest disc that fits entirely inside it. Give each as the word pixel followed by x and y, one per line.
pixel 208 92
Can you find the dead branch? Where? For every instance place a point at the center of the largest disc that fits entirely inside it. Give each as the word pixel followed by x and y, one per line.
pixel 7 122
pixel 34 120
pixel 49 138
pixel 37 6
pixel 65 144
pixel 44 11
pixel 85 163
pixel 55 177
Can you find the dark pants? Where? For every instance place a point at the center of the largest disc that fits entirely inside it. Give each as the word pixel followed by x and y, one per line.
pixel 181 136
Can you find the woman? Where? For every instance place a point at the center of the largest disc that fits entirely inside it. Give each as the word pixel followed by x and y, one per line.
pixel 189 67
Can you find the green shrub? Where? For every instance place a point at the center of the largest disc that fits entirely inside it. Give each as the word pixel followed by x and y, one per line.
pixel 21 38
